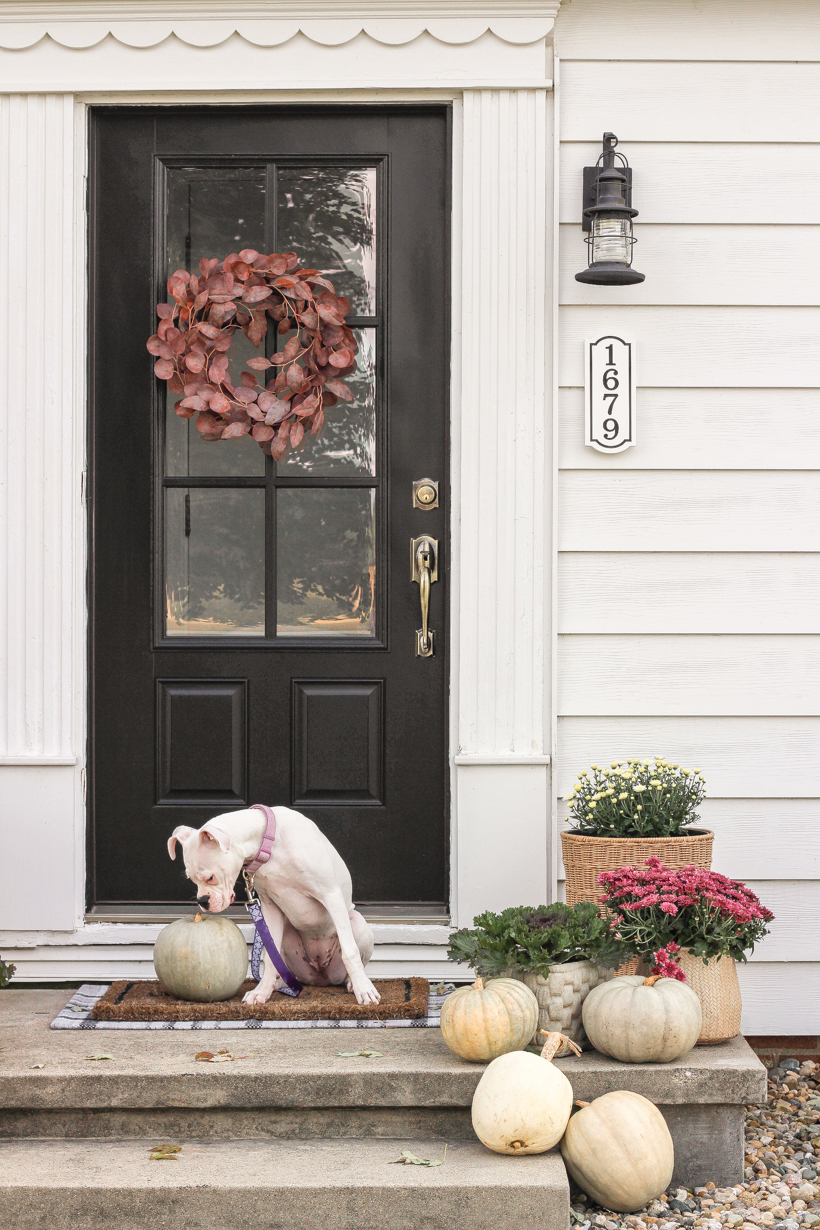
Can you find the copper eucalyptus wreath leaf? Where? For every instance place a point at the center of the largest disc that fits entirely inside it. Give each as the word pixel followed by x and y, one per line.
pixel 244 291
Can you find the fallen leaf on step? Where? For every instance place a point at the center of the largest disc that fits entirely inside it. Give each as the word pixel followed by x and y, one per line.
pixel 37 1065
pixel 406 1158
pixel 103 1055
pixel 165 1153
pixel 362 1055
pixel 220 1057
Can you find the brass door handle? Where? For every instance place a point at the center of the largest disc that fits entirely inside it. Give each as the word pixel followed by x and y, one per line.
pixel 424 559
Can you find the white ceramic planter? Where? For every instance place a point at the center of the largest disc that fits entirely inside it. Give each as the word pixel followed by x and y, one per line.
pixel 561 996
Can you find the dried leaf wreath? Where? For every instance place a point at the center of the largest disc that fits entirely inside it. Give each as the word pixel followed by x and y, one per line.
pixel 196 331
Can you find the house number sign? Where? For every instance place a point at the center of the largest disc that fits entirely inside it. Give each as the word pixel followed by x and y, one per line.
pixel 609 388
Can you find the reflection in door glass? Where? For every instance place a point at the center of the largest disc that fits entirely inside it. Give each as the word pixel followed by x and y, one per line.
pixel 212 211
pixel 328 216
pixel 326 562
pixel 347 441
pixel 214 562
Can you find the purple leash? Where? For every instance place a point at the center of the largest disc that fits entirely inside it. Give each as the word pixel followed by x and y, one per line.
pixel 263 937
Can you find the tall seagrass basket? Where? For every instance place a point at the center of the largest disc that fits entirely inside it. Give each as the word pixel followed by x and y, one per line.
pixel 586 857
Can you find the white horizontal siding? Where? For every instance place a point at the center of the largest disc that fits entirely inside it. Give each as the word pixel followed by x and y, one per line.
pixel 688 573
pixel 639 593
pixel 700 347
pixel 711 265
pixel 690 30
pixel 758 839
pixel 741 758
pixel 667 101
pixel 680 510
pixel 705 429
pixel 692 183
pixel 715 676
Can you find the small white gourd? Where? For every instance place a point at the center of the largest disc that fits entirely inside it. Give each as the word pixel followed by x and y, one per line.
pixel 523 1102
pixel 619 1151
pixel 642 1020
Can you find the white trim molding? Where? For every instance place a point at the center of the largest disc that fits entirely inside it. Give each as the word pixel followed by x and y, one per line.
pixel 495 67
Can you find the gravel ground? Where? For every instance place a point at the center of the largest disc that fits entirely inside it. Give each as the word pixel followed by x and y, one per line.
pixel 781 1188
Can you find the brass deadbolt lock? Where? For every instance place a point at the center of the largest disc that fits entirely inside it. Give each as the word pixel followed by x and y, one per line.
pixel 425 493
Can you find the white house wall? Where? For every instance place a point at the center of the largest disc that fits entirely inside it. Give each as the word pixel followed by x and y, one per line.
pixel 688 567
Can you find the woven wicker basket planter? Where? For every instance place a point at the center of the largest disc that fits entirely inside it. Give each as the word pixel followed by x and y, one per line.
pixel 716 986
pixel 561 997
pixel 586 857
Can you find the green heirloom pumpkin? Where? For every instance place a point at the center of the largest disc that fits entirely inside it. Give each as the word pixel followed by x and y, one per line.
pixel 642 1020
pixel 619 1151
pixel 201 957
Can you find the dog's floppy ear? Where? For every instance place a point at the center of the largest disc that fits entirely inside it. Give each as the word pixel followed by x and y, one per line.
pixel 179 834
pixel 216 836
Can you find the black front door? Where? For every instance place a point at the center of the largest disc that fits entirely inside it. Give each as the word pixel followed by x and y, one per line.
pixel 254 622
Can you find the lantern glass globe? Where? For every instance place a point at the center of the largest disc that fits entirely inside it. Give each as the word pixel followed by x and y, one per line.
pixel 611 240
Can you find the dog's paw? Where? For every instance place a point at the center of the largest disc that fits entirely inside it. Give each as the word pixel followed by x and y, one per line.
pixel 259 995
pixel 366 993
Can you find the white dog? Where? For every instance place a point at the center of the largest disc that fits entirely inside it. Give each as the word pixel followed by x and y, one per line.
pixel 305 893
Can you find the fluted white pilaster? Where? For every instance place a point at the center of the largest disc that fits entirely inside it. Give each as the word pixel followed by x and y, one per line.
pixel 503 498
pixel 39 426
pixel 502 556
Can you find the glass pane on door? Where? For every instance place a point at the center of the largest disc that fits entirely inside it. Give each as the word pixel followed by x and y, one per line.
pixel 347 442
pixel 214 562
pixel 326 562
pixel 328 216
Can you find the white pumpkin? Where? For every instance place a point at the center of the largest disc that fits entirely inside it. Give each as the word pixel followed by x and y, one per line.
pixel 642 1020
pixel 522 1102
pixel 481 1022
pixel 619 1151
pixel 202 957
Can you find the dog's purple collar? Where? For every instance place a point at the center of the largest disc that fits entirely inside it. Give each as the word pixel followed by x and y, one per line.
pixel 264 851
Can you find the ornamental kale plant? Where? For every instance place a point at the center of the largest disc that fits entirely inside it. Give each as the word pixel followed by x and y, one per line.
pixel 524 939
pixel 655 911
pixel 636 798
pixel 6 973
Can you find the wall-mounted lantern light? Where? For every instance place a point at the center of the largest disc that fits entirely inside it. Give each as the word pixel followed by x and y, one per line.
pixel 608 215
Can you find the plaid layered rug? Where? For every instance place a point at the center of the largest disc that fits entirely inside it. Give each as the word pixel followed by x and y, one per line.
pixel 77 1014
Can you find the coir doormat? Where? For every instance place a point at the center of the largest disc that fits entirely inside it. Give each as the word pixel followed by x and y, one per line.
pixel 149 1001
pixel 79 1012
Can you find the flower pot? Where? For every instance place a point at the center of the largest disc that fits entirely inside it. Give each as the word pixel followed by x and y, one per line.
pixel 716 986
pixel 586 857
pixel 561 996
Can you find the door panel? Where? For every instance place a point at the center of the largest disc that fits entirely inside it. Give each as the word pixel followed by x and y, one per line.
pixel 252 623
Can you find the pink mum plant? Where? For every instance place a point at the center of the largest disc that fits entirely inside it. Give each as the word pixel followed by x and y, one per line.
pixel 657 910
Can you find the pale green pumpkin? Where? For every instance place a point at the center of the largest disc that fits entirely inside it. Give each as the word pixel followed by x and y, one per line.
pixel 201 957
pixel 619 1151
pixel 642 1020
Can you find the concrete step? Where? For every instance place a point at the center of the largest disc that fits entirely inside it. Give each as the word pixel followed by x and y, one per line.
pixel 311 1184
pixel 288 1084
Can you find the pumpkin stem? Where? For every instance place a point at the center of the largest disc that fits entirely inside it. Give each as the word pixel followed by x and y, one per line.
pixel 198 918
pixel 651 980
pixel 478 985
pixel 555 1043
pixel 581 1104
